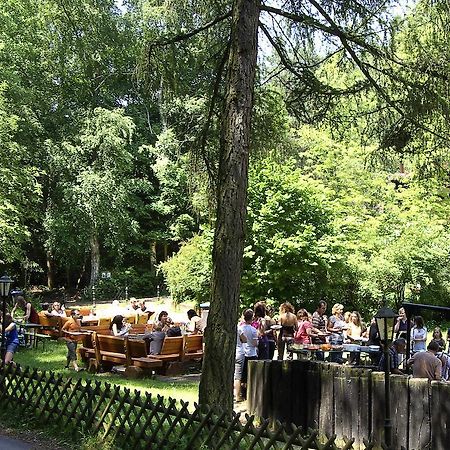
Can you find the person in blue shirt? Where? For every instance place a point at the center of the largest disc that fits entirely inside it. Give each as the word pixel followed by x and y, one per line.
pixel 12 338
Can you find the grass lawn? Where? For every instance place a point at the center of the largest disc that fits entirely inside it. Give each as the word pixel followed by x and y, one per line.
pixel 53 359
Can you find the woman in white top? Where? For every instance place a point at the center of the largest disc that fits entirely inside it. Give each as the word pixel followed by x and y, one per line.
pixel 239 363
pixel 119 326
pixel 195 324
pixel 418 335
pixel 57 310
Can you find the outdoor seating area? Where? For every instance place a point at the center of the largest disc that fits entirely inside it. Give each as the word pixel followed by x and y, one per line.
pixel 101 352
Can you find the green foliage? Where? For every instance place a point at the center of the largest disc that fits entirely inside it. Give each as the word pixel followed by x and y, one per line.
pixel 140 283
pixel 188 273
pixel 289 250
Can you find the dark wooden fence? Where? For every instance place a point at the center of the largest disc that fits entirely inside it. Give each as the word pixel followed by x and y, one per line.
pixel 345 401
pixel 135 420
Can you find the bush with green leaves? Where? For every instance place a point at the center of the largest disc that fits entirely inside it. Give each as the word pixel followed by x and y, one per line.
pixel 188 273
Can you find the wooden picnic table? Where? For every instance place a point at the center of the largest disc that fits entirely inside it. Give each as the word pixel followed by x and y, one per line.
pixel 31 330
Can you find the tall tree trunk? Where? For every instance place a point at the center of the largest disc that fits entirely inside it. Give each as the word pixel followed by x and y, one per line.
pixel 50 270
pixel 95 258
pixel 216 385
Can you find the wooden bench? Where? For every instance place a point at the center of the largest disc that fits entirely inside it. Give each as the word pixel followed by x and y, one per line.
pixel 193 347
pixel 109 351
pixel 172 349
pixel 87 350
pixel 51 325
pixel 136 353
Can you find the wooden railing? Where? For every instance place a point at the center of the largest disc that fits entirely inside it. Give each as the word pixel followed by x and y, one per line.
pixel 139 420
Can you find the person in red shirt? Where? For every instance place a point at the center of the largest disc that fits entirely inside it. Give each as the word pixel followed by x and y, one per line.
pixel 304 328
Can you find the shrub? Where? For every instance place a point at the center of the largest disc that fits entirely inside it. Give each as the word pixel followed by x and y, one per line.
pixel 188 273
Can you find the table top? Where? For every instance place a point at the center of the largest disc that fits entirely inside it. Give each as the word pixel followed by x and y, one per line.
pixel 355 349
pixel 30 325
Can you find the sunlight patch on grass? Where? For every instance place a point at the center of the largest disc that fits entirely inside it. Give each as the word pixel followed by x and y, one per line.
pixel 53 358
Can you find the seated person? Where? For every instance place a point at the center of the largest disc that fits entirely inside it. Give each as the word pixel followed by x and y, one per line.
pixel 164 322
pixel 57 310
pixel 133 306
pixel 398 347
pixel 119 326
pixel 195 324
pixel 427 364
pixel 155 340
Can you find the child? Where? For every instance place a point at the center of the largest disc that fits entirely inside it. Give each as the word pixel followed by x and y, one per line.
pixel 439 339
pixel 72 329
pixel 12 339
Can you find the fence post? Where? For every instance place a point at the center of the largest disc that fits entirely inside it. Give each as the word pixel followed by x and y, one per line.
pixel 326 416
pixel 301 395
pixel 399 410
pixel 440 414
pixel 377 388
pixel 419 414
pixel 281 377
pixel 259 391
pixel 314 387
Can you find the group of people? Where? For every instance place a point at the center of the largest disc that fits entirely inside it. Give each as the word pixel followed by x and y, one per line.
pixel 28 314
pixel 163 326
pixel 259 334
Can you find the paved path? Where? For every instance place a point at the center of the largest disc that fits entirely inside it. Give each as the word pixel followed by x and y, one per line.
pixel 7 443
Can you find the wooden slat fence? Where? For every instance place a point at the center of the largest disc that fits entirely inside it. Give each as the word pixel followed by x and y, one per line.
pixel 348 401
pixel 136 420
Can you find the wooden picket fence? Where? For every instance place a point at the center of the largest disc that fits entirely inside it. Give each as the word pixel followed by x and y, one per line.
pixel 136 420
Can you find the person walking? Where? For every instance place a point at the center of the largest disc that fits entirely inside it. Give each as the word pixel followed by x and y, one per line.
pixel 72 330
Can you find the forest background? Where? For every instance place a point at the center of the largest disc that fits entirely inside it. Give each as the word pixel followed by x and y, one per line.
pixel 109 154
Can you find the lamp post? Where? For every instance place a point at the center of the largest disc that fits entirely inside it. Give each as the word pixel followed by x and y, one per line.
pixel 385 319
pixel 5 283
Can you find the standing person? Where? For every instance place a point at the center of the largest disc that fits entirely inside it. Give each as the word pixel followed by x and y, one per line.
pixel 195 324
pixel 239 363
pixel 336 325
pixel 354 332
pixel 263 327
pixel 418 335
pixel 437 337
pixel 401 326
pixel 427 364
pixel 119 326
pixel 12 338
pixel 304 328
pixel 374 340
pixel 250 347
pixel 72 331
pixel 30 314
pixel 319 322
pixel 288 322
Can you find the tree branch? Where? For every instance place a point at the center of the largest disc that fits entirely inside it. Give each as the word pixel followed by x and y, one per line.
pixel 185 36
pixel 362 66
pixel 306 74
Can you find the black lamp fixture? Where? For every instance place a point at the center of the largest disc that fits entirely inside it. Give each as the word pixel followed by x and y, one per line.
pixel 5 284
pixel 385 319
